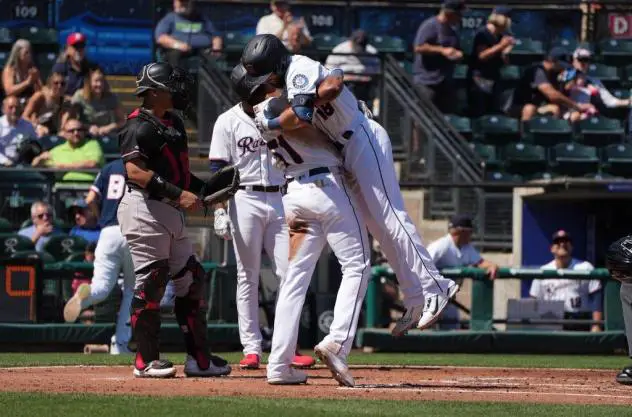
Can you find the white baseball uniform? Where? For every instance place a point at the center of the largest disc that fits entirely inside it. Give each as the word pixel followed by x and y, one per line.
pixel 257 217
pixel 345 124
pixel 574 292
pixel 320 209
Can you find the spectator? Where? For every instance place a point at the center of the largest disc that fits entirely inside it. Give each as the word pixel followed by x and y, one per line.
pixel 86 225
pixel 582 298
pixel 20 76
pixel 491 45
pixel 72 63
pixel 13 129
pixel 278 22
pixel 574 85
pixel 46 110
pixel 294 38
pixel 436 48
pixel 185 32
pixel 81 277
pixel 536 92
pixel 76 153
pixel 98 107
pixel 455 250
pixel 42 228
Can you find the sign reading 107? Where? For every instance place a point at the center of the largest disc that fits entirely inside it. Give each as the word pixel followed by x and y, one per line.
pixel 472 22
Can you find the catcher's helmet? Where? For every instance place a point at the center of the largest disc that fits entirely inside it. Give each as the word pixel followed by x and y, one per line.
pixel 619 255
pixel 162 76
pixel 263 56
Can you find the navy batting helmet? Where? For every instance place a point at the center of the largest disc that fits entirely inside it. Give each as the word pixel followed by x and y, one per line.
pixel 263 56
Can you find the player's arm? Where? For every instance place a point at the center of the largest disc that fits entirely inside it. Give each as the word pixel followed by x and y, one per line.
pixel 330 88
pixel 215 165
pixel 91 200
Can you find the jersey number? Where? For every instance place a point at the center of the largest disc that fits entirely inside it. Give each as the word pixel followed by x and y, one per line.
pixel 116 186
pixel 281 142
pixel 576 302
pixel 325 111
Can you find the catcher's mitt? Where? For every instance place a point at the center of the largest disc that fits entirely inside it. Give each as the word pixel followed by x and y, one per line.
pixel 221 186
pixel 619 259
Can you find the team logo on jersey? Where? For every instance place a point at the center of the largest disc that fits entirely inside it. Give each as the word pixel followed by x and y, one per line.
pixel 299 81
pixel 249 144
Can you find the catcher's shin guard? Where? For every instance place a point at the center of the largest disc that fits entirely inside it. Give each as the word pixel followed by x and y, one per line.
pixel 190 312
pixel 150 286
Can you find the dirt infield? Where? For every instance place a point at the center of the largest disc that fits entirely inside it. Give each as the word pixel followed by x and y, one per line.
pixel 410 383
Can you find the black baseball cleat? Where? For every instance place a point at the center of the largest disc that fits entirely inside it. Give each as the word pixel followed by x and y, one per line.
pixel 156 369
pixel 625 376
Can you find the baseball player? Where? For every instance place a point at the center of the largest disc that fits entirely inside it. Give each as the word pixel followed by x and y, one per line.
pixel 112 256
pixel 335 112
pixel 320 209
pixel 255 213
pixel 153 145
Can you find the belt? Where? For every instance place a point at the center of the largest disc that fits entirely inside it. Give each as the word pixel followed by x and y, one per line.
pixel 311 173
pixel 261 188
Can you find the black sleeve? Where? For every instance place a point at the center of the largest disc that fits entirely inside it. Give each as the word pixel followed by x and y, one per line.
pixel 139 140
pixel 196 185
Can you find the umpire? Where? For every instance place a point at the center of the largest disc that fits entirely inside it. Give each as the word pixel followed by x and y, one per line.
pixel 153 145
pixel 619 263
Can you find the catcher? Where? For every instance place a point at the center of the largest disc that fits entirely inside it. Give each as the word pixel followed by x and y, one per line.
pixel 159 187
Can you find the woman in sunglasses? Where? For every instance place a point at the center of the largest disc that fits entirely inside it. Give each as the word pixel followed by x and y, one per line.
pixel 46 109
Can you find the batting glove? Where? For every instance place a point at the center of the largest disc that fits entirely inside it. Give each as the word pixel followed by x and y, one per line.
pixel 222 224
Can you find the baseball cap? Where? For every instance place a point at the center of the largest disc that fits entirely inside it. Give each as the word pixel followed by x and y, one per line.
pixel 76 38
pixel 461 221
pixel 78 203
pixel 583 54
pixel 557 53
pixel 561 235
pixel 454 5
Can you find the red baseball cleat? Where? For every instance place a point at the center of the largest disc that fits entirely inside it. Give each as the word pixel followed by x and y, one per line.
pixel 250 361
pixel 302 361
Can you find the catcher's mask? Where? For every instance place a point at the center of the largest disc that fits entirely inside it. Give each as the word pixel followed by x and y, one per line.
pixel 162 76
pixel 619 258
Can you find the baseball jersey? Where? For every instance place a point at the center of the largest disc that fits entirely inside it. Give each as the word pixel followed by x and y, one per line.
pixel 303 76
pixel 236 140
pixel 110 186
pixel 446 254
pixel 301 149
pixel 573 292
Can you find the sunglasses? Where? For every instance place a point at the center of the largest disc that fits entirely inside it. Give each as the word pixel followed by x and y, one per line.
pixel 62 83
pixel 42 215
pixel 77 130
pixel 564 240
pixel 79 46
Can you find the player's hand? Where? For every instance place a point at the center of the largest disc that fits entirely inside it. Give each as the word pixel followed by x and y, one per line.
pixel 222 224
pixel 189 201
pixel 262 123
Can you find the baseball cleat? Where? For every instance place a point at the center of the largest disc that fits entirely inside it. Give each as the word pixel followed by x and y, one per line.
pixel 625 376
pixel 435 304
pixel 408 320
pixel 250 361
pixel 337 364
pixel 291 377
pixel 156 369
pixel 302 361
pixel 72 309
pixel 217 367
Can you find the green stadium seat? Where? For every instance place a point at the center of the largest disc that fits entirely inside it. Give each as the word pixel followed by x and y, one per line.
pixel 406 66
pixel 49 142
pixel 45 61
pixel 39 36
pixel 600 176
pixel 497 129
pixel 109 146
pixel 547 131
pixel 460 72
pixel 11 243
pixel 524 159
pixel 600 131
pixel 617 160
pixel 568 44
pixel 616 52
pixel 5 225
pixel 76 257
pixel 460 124
pixel 574 159
pixel 466 43
pixel 539 176
pixel 235 41
pixel 326 41
pixel 501 176
pixel 62 246
pixel 510 73
pixel 32 254
pixel 461 104
pixel 488 154
pixel 609 76
pixel 388 44
pixel 526 51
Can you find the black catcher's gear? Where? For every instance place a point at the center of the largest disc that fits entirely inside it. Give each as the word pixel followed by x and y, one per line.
pixel 263 56
pixel 619 259
pixel 162 76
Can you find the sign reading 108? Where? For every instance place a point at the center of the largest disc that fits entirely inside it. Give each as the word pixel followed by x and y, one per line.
pixel 320 20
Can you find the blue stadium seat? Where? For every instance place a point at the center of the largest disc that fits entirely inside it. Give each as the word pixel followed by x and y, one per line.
pixel 526 51
pixel 547 131
pixel 460 124
pixel 497 129
pixel 510 73
pixel 600 131
pixel 45 61
pixel 488 154
pixel 109 146
pixel 460 73
pixel 524 159
pixel 574 159
pixel 616 52
pixel 617 160
pixel 388 44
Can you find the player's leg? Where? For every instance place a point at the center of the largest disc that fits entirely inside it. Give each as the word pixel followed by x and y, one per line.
pixel 346 235
pixel 248 216
pixel 625 376
pixel 123 330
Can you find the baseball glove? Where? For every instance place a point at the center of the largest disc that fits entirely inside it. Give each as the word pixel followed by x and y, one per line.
pixel 619 259
pixel 221 186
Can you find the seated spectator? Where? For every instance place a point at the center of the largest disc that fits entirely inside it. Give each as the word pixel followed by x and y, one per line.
pixel 76 153
pixel 46 110
pixel 86 225
pixel 81 277
pixel 436 47
pixel 72 63
pixel 185 32
pixel 20 76
pixel 455 250
pixel 536 92
pixel 492 44
pixel 582 298
pixel 574 85
pixel 278 23
pixel 13 129
pixel 42 228
pixel 98 108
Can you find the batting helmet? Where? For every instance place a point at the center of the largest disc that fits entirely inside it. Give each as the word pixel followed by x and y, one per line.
pixel 162 76
pixel 238 78
pixel 263 56
pixel 619 259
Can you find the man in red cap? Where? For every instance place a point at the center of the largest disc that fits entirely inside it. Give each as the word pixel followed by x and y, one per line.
pixel 72 62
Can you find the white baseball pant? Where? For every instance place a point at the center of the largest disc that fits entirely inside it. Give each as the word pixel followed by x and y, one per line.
pixel 111 257
pixel 258 221
pixel 320 210
pixel 382 204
